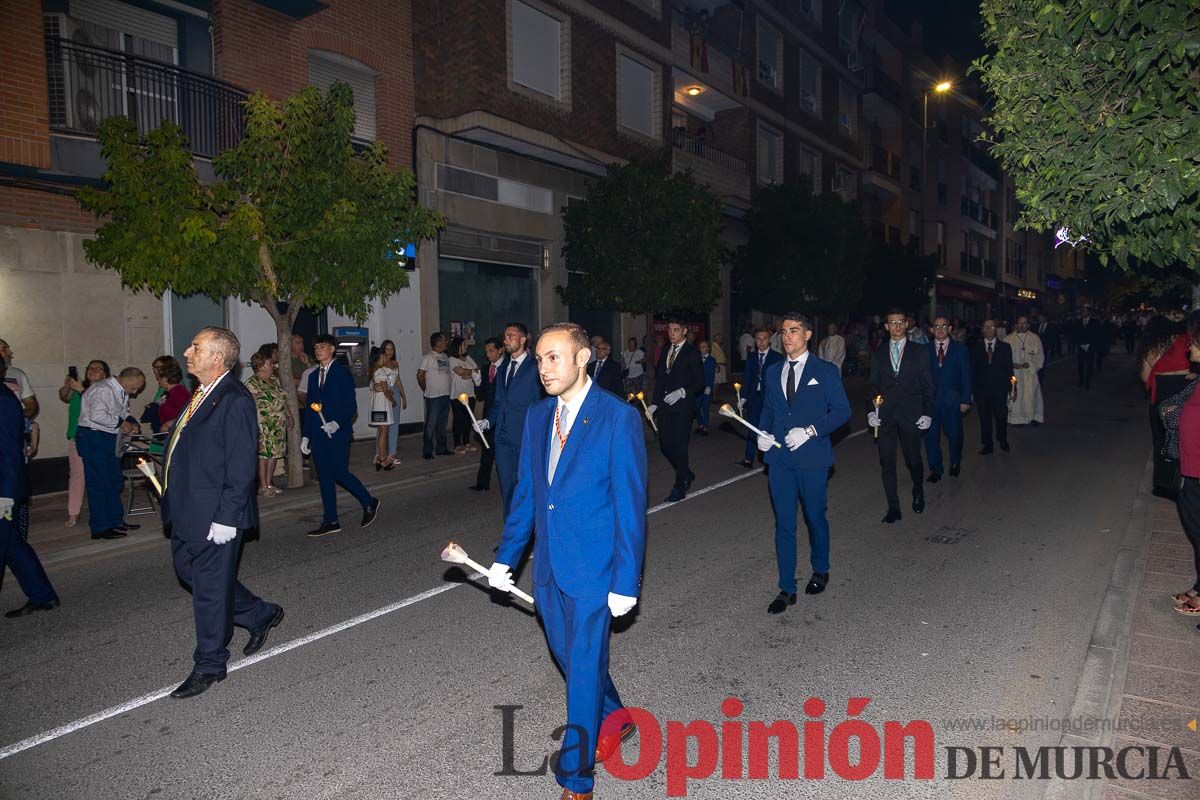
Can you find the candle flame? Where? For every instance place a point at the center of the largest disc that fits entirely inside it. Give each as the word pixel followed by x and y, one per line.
pixel 641 395
pixel 725 409
pixel 737 387
pixel 878 400
pixel 316 407
pixel 631 395
pixel 1013 380
pixel 462 398
pixel 453 553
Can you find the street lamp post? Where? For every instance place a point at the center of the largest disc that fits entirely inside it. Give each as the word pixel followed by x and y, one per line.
pixel 940 88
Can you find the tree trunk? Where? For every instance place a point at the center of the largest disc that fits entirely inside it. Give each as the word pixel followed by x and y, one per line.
pixel 295 461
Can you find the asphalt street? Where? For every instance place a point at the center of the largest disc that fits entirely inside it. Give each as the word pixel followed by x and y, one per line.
pixel 981 607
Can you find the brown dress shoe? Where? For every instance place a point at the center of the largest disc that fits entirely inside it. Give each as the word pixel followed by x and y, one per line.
pixel 607 745
pixel 569 795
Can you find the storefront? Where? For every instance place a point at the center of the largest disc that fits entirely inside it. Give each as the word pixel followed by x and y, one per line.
pixel 476 299
pixel 971 304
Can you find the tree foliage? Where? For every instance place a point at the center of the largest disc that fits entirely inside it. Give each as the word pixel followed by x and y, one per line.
pixel 897 277
pixel 643 241
pixel 297 218
pixel 1097 115
pixel 804 252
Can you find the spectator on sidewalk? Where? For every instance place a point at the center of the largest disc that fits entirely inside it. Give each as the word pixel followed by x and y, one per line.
pixel 1188 500
pixel 299 358
pixel 175 396
pixel 605 372
pixel 103 417
pixel 15 552
pixel 1164 369
pixel 274 420
pixel 18 382
pixel 633 361
pixel 433 376
pixel 464 377
pixel 388 359
pixel 716 346
pixel 833 347
pixel 71 393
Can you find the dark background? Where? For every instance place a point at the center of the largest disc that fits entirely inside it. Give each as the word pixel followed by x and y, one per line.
pixel 952 27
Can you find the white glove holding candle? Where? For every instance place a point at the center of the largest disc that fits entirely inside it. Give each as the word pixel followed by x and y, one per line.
pixel 482 425
pixel 873 419
pixel 499 576
pixel 766 442
pixel 924 422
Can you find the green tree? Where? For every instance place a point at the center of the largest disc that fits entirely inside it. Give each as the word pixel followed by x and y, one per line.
pixel 804 252
pixel 297 219
pixel 1096 108
pixel 643 241
pixel 897 277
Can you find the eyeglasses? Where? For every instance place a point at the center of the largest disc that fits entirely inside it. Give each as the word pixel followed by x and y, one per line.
pixel 941 326
pixel 896 322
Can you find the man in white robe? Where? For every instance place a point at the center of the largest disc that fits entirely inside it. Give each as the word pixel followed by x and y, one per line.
pixel 1028 357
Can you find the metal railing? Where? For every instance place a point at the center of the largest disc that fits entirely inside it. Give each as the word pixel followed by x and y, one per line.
pixel 88 84
pixel 883 160
pixel 697 146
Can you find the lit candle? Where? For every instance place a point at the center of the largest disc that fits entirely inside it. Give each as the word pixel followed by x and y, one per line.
pixel 454 554
pixel 641 396
pixel 878 402
pixel 148 471
pixel 317 408
pixel 726 411
pixel 737 387
pixel 462 398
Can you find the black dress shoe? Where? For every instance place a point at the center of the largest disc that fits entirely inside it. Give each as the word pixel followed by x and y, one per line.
pixel 370 513
pixel 111 533
pixel 1034 423
pixel 325 530
pixel 781 602
pixel 816 584
pixel 259 637
pixel 1004 446
pixel 918 503
pixel 934 477
pixel 445 452
pixel 196 683
pixel 478 488
pixel 747 463
pixel 428 457
pixel 30 608
pixel 893 515
pixel 688 483
pixel 986 451
pixel 126 527
pixel 676 495
pixel 954 470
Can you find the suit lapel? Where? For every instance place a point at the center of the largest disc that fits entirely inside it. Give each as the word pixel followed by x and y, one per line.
pixel 805 376
pixel 579 431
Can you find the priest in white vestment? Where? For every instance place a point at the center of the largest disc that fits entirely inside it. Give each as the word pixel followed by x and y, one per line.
pixel 1028 357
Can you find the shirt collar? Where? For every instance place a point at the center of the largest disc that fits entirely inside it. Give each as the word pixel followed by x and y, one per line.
pixel 206 389
pixel 518 360
pixel 991 341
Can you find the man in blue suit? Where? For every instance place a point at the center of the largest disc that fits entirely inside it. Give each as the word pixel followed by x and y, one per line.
pixel 15 552
pixel 951 365
pixel 581 492
pixel 517 388
pixel 210 467
pixel 327 436
pixel 751 404
pixel 804 402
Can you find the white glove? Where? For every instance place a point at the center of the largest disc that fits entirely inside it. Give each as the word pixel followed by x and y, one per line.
pixel 741 404
pixel 6 507
pixel 924 422
pixel 220 534
pixel 873 419
pixel 796 438
pixel 304 448
pixel 708 390
pixel 619 604
pixel 500 577
pixel 330 427
pixel 675 396
pixel 650 411
pixel 765 441
pixel 482 425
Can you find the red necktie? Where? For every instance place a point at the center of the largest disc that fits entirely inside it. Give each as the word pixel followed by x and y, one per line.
pixel 492 374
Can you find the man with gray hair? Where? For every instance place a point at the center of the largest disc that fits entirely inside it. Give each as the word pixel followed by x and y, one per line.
pixel 103 417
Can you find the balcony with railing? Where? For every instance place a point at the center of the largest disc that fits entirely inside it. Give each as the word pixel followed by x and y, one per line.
pixel 87 84
pixel 879 82
pixel 884 169
pixel 725 174
pixel 984 217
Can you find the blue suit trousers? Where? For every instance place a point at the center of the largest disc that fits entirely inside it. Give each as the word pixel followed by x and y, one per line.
pixel 102 478
pixel 809 487
pixel 332 455
pixel 17 555
pixel 946 417
pixel 577 631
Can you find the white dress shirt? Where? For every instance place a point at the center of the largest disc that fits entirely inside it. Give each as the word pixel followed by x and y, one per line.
pixel 519 360
pixel 800 362
pixel 565 425
pixel 104 406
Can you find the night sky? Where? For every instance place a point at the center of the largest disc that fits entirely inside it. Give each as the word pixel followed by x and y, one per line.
pixel 951 26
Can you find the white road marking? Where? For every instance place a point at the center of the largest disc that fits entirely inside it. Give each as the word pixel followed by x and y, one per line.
pixel 138 702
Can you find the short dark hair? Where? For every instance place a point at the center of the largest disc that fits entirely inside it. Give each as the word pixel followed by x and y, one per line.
pixel 677 320
pixel 760 329
pixel 894 311
pixel 168 368
pixel 435 337
pixel 520 326
pixel 324 338
pixel 577 334
pixel 494 342
pixel 796 316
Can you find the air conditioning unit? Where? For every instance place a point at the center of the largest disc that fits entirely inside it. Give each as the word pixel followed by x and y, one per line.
pixel 71 104
pixel 853 60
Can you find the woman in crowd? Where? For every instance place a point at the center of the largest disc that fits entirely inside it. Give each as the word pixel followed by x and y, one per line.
pixel 273 420
pixel 464 377
pixel 388 359
pixel 1187 602
pixel 174 395
pixel 71 393
pixel 633 361
pixel 383 401
pixel 1164 371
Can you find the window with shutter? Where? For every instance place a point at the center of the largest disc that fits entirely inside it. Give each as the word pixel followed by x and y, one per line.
pixel 639 101
pixel 325 68
pixel 770 55
pixel 770 161
pixel 539 51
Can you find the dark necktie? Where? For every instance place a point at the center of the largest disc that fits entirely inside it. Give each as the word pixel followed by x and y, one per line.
pixel 321 382
pixel 989 351
pixel 671 356
pixel 791 380
pixel 599 366
pixel 762 359
pixel 941 353
pixel 512 368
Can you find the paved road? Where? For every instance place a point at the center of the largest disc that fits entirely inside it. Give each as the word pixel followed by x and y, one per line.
pixel 991 617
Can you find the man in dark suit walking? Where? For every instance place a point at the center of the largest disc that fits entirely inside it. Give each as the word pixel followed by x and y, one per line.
pixel 678 379
pixel 751 403
pixel 209 471
pixel 327 436
pixel 605 372
pixel 950 364
pixel 992 369
pixel 1088 333
pixel 900 374
pixel 517 388
pixel 493 350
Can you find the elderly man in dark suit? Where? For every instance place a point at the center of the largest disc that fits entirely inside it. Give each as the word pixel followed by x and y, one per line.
pixel 900 374
pixel 605 371
pixel 678 380
pixel 992 370
pixel 209 471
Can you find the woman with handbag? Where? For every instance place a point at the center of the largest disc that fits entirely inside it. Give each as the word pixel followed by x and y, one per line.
pixel 1181 418
pixel 383 378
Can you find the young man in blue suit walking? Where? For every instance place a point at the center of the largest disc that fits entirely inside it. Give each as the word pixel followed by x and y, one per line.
pixel 581 493
pixel 327 436
pixel 951 366
pixel 803 403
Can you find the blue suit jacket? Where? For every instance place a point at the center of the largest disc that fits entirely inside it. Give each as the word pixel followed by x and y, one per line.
pixel 336 398
pixel 750 378
pixel 14 481
pixel 507 416
pixel 214 465
pixel 589 527
pixel 820 401
pixel 952 380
